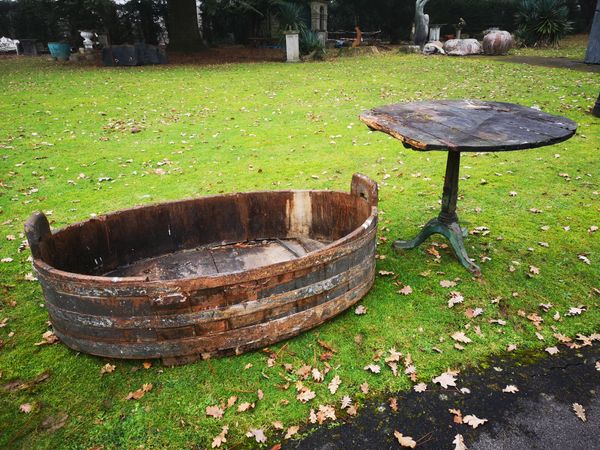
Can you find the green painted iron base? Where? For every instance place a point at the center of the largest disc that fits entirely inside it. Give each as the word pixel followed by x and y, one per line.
pixel 446 223
pixel 453 232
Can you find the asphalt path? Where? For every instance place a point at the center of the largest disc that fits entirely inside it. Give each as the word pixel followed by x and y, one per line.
pixel 539 416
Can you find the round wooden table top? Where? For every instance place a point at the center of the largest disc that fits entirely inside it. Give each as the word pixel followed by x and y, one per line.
pixel 469 125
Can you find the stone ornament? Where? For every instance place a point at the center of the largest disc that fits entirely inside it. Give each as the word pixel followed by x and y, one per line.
pixel 497 42
pixel 462 47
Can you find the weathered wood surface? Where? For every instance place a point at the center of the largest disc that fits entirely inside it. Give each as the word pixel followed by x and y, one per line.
pixel 469 125
pixel 207 277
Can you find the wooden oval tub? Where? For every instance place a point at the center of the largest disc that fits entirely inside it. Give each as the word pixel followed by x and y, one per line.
pixel 208 276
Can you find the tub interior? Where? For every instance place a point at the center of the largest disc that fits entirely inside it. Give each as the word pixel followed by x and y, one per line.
pixel 205 236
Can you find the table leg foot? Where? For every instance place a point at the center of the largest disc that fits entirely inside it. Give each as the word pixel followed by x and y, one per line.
pixel 453 232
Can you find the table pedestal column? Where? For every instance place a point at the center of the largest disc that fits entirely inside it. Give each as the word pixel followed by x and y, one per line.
pixel 446 223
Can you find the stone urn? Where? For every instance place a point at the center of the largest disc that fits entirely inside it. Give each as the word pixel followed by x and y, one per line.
pixel 462 47
pixel 497 42
pixel 87 36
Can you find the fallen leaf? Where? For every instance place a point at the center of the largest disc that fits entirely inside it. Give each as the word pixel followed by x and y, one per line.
pixel 352 410
pixel 312 417
pixel 360 310
pixel 471 313
pixel 48 338
pixel 373 368
pixel 364 388
pixel 458 419
pixel 384 273
pixel 107 368
pixel 277 425
pixel 445 379
pixel 405 441
pixel 459 442
pixel 245 406
pixel 455 298
pixel 421 387
pixel 474 421
pixel 511 389
pixel 147 364
pixel 406 290
pixel 334 384
pixel 579 411
pixel 552 350
pixel 220 438
pixel 346 402
pixel 534 270
pixel 459 336
pixel 291 431
pixel 305 395
pixel 231 401
pixel 257 434
pixel 317 375
pixel 25 408
pixel 447 283
pixel 393 401
pixel 214 411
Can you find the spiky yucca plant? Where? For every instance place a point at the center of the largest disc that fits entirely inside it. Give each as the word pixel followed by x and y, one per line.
pixel 542 22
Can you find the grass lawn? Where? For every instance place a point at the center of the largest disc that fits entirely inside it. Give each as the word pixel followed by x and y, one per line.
pixel 279 126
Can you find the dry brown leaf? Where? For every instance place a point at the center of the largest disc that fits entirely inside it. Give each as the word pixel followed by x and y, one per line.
pixel 220 438
pixel 459 442
pixel 360 310
pixel 346 402
pixel 291 431
pixel 511 389
pixel 552 350
pixel 473 420
pixel 245 406
pixel 317 375
pixel 352 410
pixel 147 364
pixel 48 338
pixel 257 434
pixel 458 418
pixel 393 401
pixel 373 368
pixel 447 283
pixel 579 411
pixel 312 417
pixel 459 336
pixel 231 401
pixel 25 408
pixel 445 379
pixel 214 411
pixel 305 395
pixel 277 425
pixel 421 387
pixel 364 388
pixel 334 384
pixel 404 441
pixel 455 298
pixel 406 290
pixel 107 368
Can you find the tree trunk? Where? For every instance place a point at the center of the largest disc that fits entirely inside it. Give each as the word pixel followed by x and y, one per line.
pixel 182 25
pixel 592 55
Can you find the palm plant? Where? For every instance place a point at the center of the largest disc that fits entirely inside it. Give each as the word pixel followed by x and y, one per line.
pixel 542 22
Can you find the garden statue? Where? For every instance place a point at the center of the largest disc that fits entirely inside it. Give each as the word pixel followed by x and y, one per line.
pixel 421 23
pixel 459 27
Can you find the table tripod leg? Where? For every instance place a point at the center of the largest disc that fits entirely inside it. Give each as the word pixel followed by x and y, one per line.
pixel 446 223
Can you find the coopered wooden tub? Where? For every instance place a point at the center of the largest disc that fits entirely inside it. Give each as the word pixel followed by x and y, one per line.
pixel 208 276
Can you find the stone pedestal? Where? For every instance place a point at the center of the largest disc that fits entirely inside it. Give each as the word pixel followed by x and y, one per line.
pixel 434 33
pixel 292 46
pixel 322 36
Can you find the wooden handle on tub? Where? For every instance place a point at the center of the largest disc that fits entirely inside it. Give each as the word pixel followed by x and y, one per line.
pixel 37 229
pixel 363 186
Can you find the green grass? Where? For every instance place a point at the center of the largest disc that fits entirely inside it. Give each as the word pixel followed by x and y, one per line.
pixel 274 126
pixel 572 47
